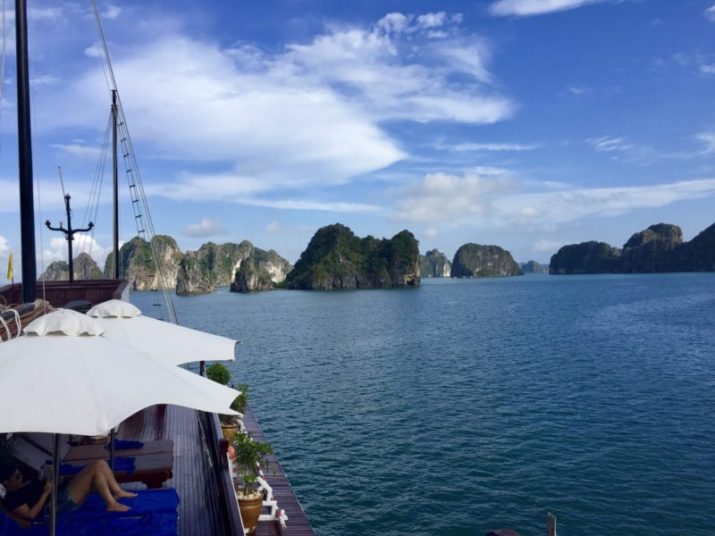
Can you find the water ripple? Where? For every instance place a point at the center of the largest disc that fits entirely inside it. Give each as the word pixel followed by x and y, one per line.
pixel 466 405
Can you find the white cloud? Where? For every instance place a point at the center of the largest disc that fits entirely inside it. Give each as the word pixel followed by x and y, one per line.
pixel 609 144
pixel 708 138
pixel 50 194
pixel 477 147
pixel 76 149
pixel 111 12
pixel 273 227
pixel 83 242
pixel 476 200
pixel 3 244
pixel 298 204
pixel 206 227
pixel 431 232
pixel 579 91
pixel 536 7
pixel 308 115
pixel 440 197
pixel 710 13
pixel 545 246
pixel 707 68
pixel 46 13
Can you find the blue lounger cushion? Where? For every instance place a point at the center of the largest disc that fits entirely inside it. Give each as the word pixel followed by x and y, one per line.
pixel 152 512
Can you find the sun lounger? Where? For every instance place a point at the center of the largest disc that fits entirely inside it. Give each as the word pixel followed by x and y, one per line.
pixel 151 469
pixel 69 453
pixel 152 512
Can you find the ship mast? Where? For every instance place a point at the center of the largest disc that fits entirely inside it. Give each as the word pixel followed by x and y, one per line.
pixel 27 207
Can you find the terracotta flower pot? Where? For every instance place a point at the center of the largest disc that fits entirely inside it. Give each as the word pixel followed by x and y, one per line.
pixel 250 507
pixel 229 430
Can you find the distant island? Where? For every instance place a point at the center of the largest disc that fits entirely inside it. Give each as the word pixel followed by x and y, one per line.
pixel 659 248
pixel 243 267
pixel 434 263
pixel 337 259
pixel 475 260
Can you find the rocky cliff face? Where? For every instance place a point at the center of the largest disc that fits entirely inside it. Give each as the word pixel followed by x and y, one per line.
pixel 698 255
pixel 651 250
pixel 84 268
pixel 533 267
pixel 434 263
pixel 475 260
pixel 586 258
pixel 212 266
pixel 137 266
pixel 337 259
pixel 659 248
pixel 262 270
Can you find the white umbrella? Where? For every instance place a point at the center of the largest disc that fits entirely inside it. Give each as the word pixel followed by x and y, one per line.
pixel 164 341
pixel 88 384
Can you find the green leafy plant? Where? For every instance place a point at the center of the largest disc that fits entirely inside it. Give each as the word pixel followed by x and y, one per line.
pixel 249 458
pixel 218 373
pixel 239 403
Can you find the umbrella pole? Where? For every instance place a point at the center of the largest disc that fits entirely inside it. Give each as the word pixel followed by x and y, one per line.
pixel 55 483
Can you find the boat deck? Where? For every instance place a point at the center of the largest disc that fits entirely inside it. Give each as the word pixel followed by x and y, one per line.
pixel 194 479
pixel 297 524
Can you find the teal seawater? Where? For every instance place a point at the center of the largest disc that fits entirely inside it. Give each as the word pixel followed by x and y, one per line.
pixel 468 405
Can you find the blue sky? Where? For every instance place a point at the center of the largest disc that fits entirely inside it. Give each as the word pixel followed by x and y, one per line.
pixel 528 124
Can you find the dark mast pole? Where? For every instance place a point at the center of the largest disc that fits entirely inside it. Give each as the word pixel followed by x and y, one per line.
pixel 115 182
pixel 27 205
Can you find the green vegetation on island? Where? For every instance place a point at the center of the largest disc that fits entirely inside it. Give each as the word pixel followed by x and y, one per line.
pixel 338 259
pixel 434 263
pixel 475 260
pixel 659 248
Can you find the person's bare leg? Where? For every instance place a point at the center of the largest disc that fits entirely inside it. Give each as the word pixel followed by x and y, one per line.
pixel 117 491
pixel 93 476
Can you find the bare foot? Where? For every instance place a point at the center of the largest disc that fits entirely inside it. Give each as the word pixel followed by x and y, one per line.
pixel 123 493
pixel 117 507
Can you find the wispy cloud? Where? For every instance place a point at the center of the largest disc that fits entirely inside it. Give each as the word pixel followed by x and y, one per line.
pixel 609 144
pixel 76 149
pixel 708 138
pixel 443 198
pixel 524 8
pixel 707 68
pixel 310 114
pixel 710 13
pixel 299 204
pixel 481 147
pixel 205 228
pixel 4 244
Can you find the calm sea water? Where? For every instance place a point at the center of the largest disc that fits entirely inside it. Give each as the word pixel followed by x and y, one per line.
pixel 469 405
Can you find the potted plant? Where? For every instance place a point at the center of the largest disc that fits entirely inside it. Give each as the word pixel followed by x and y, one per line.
pixel 249 457
pixel 229 423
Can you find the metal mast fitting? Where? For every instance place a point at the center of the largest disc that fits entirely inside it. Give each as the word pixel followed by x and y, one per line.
pixel 69 233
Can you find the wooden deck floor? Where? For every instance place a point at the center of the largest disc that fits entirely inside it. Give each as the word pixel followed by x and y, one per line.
pixel 194 480
pixel 297 524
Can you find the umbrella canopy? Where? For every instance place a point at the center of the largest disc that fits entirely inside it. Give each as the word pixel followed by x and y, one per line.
pixel 164 341
pixel 86 385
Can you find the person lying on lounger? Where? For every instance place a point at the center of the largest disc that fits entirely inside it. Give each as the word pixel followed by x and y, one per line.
pixel 27 498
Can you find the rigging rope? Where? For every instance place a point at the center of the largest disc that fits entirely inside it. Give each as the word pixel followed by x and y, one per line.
pixel 142 215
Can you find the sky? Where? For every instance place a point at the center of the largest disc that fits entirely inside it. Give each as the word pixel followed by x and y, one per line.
pixel 529 124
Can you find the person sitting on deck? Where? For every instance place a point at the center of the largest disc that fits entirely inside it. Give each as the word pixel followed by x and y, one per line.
pixel 27 498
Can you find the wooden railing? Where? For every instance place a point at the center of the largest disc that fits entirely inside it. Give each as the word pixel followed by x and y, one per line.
pixel 218 447
pixel 59 293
